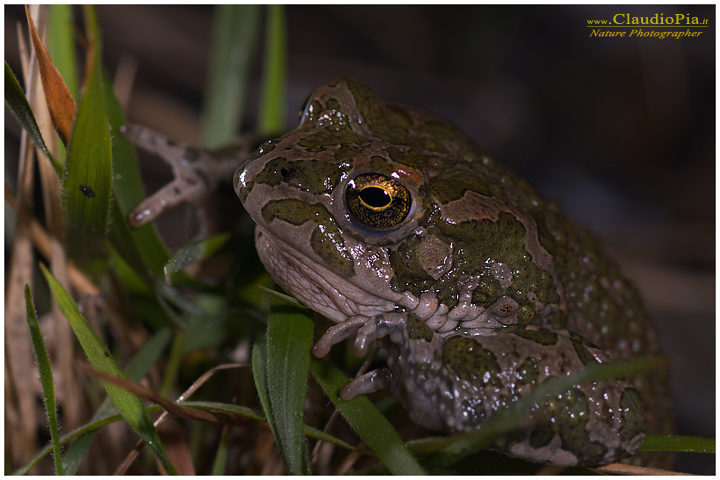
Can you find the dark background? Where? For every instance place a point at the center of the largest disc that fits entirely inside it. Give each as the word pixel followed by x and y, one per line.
pixel 620 130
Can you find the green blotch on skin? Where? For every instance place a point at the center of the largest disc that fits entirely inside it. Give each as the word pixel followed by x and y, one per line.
pixel 453 187
pixel 406 264
pixel 528 373
pixel 632 413
pixel 487 291
pixel 332 104
pixel 368 106
pixel 571 426
pixel 391 123
pixel 482 243
pixel 470 361
pixel 525 314
pixel 435 136
pixel 270 175
pixel 406 157
pixel 331 248
pixel 582 353
pixel 540 336
pixel 339 134
pixel 410 275
pixel 347 151
pixel 311 176
pixel 541 436
pixel 326 240
pixel 398 116
pixel 295 212
pixel 565 415
pixel 581 345
pixel 417 329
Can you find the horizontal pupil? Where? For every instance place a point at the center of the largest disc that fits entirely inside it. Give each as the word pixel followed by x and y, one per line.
pixel 375 197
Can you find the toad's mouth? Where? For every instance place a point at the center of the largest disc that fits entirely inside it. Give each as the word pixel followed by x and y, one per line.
pixel 314 285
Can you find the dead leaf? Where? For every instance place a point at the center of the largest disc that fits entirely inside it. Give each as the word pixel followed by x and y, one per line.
pixel 60 101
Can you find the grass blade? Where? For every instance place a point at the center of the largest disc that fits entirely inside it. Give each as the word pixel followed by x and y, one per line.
pixel 61 43
pixel 233 48
pixel 75 454
pixel 129 189
pixel 132 408
pixel 121 238
pixel 135 370
pixel 46 379
pixel 367 421
pixel 90 428
pixel 87 180
pixel 259 355
pixel 20 108
pixel 221 455
pixel 193 252
pixel 107 417
pixel 678 443
pixel 271 119
pixel 289 341
pixel 253 415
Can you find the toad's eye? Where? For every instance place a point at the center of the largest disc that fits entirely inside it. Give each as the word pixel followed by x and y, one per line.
pixel 377 201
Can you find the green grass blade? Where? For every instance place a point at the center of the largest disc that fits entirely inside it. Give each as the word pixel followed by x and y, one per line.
pixel 131 407
pixel 135 370
pixel 259 375
pixel 282 296
pixel 271 119
pixel 234 44
pixel 46 379
pixel 221 455
pixel 254 415
pixel 61 46
pixel 289 342
pixel 144 296
pixel 20 108
pixel 87 179
pixel 678 443
pixel 108 417
pixel 193 252
pixel 128 186
pixel 75 454
pixel 367 421
pixel 122 239
pixel 259 365
pixel 78 433
pixel 172 366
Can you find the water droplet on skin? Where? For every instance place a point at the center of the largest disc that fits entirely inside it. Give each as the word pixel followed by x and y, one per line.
pixel 87 191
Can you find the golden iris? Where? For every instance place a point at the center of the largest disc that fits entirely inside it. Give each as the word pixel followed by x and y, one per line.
pixel 377 201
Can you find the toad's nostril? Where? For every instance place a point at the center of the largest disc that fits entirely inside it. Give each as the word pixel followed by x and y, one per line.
pixel 287 173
